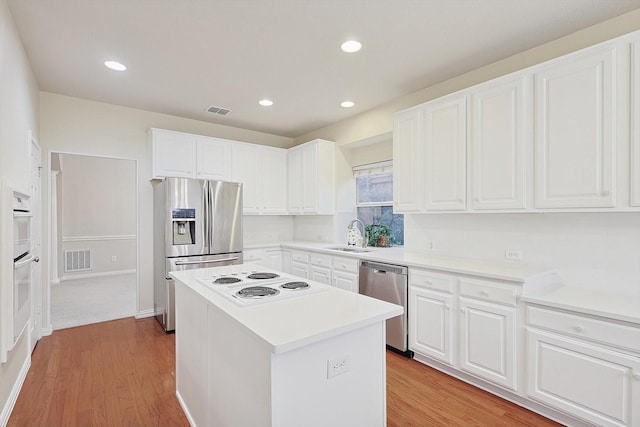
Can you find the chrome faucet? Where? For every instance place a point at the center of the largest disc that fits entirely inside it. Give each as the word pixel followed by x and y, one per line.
pixel 365 233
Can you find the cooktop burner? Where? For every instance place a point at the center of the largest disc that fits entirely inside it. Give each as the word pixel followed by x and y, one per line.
pixel 261 275
pixel 257 292
pixel 295 285
pixel 226 280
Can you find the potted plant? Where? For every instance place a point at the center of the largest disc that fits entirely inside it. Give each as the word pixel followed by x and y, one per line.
pixel 379 235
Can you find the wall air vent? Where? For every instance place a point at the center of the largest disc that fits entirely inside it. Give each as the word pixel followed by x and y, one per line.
pixel 77 260
pixel 218 110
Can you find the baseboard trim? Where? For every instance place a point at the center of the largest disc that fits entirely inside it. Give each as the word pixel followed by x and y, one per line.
pixel 45 332
pixel 91 275
pixel 145 313
pixel 15 391
pixel 185 409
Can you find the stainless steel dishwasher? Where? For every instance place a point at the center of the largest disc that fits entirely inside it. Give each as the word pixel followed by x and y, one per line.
pixel 388 283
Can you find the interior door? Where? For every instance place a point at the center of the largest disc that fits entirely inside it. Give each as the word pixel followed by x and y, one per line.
pixel 36 274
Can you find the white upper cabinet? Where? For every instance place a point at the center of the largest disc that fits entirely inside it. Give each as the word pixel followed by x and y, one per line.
pixel 575 107
pixel 213 158
pixel 263 173
pixel 500 133
pixel 311 178
pixel 407 154
pixel 172 154
pixel 183 155
pixel 247 170
pixel 445 142
pixel 560 136
pixel 274 180
pixel 635 125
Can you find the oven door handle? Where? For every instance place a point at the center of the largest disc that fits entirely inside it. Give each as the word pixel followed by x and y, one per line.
pixel 24 261
pixel 206 262
pixel 22 214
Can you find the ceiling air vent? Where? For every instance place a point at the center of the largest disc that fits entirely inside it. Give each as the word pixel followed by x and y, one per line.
pixel 218 110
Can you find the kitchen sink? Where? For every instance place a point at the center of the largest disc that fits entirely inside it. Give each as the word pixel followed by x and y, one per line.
pixel 349 249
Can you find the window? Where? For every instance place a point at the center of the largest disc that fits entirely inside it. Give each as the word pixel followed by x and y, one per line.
pixel 374 199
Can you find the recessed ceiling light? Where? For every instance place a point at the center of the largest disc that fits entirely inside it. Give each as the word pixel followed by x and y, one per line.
pixel 347 104
pixel 114 65
pixel 265 102
pixel 351 46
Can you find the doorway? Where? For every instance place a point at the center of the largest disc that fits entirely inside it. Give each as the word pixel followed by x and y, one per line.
pixel 93 239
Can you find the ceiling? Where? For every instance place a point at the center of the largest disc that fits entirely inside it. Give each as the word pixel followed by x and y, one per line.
pixel 185 55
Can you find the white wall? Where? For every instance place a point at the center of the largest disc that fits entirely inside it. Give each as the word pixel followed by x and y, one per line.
pixel 18 116
pixel 80 126
pixel 589 250
pixel 98 210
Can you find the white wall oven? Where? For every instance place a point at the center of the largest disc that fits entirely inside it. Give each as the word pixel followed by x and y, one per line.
pixel 23 259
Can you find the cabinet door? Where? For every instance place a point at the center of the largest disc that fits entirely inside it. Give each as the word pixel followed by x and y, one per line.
pixel 488 341
pixel 591 382
pixel 431 324
pixel 346 281
pixel 309 173
pixel 173 154
pixel 253 255
pixel 300 269
pixel 274 180
pixel 500 138
pixel 575 132
pixel 635 126
pixel 213 159
pixel 294 180
pixel 407 159
pixel 246 169
pixel 320 274
pixel 445 139
pixel 273 259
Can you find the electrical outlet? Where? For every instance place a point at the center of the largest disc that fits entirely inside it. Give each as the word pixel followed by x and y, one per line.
pixel 114 258
pixel 513 254
pixel 431 245
pixel 337 366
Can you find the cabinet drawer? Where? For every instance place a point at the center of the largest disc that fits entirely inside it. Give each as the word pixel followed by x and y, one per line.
pixel 586 327
pixel 429 280
pixel 350 265
pixel 489 291
pixel 300 256
pixel 321 260
pixel 252 255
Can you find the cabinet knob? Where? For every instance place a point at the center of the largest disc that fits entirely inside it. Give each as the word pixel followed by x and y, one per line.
pixel 344 266
pixel 484 293
pixel 606 193
pixel 428 283
pixel 579 329
pixel 636 376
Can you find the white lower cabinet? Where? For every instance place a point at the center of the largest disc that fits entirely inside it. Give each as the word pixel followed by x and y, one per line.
pixel 576 366
pixel 431 325
pixel 345 273
pixel 481 340
pixel 488 341
pixel 300 264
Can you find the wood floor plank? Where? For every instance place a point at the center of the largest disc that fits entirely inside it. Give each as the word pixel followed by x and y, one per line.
pixel 122 373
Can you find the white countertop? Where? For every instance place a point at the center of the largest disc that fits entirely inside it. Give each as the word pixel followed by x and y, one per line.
pixel 290 323
pixel 621 307
pixel 547 288
pixel 515 271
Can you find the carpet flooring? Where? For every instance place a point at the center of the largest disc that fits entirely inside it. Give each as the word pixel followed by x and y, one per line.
pixel 98 299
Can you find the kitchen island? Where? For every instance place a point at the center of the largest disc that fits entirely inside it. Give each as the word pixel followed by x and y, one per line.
pixel 312 358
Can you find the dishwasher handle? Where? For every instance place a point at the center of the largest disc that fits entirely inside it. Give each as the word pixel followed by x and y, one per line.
pixel 382 268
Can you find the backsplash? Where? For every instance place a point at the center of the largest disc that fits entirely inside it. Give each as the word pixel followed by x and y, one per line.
pixel 267 229
pixel 589 250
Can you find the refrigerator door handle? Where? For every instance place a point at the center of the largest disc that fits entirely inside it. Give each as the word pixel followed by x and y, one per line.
pixel 235 258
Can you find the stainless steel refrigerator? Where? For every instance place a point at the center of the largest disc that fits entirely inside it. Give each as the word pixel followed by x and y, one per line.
pixel 197 224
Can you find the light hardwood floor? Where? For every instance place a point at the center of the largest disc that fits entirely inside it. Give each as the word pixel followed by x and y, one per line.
pixel 121 373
